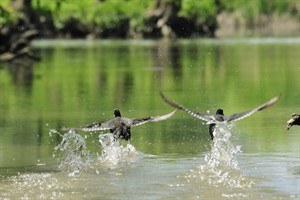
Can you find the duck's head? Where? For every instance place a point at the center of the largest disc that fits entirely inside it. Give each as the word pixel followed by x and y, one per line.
pixel 117 112
pixel 295 120
pixel 219 112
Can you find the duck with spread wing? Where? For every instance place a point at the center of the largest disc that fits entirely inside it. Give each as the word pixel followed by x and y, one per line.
pixel 219 116
pixel 120 126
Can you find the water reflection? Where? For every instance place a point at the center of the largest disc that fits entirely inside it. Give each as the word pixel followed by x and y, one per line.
pixel 175 62
pixel 123 88
pixel 81 84
pixel 22 74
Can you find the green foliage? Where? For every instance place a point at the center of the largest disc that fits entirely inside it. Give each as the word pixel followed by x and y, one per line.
pixel 112 14
pixel 6 13
pixel 200 11
pixel 106 14
pixel 64 10
pixel 261 6
pixel 251 8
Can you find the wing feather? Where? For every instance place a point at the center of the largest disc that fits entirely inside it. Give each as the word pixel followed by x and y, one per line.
pixel 239 116
pixel 95 126
pixel 140 121
pixel 196 114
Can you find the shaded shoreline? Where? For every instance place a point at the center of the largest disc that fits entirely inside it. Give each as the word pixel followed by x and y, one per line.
pixel 164 20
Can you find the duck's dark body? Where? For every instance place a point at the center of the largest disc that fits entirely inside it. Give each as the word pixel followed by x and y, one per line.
pixel 120 126
pixel 122 132
pixel 219 116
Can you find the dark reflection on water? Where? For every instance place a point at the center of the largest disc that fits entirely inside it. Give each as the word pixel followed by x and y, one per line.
pixel 175 55
pixel 21 74
pixel 78 82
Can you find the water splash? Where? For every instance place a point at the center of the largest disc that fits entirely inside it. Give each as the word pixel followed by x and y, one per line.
pixel 223 151
pixel 221 166
pixel 71 152
pixel 74 156
pixel 113 153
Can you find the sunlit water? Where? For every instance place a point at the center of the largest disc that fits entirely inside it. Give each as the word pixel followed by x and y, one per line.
pixel 174 159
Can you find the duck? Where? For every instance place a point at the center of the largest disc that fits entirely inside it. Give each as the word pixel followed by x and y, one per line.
pixel 212 120
pixel 120 126
pixel 295 120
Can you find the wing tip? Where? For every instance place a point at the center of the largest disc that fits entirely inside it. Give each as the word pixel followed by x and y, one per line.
pixel 274 100
pixel 270 102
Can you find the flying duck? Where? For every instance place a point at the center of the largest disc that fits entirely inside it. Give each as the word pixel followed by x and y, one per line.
pixel 120 126
pixel 219 116
pixel 295 120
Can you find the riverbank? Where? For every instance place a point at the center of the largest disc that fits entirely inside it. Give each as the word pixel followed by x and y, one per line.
pixel 232 25
pixel 133 19
pixel 152 19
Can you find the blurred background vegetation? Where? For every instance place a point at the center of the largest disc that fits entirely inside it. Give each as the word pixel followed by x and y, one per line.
pixel 154 18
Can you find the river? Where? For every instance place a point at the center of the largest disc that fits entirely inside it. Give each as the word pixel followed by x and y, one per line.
pixel 79 82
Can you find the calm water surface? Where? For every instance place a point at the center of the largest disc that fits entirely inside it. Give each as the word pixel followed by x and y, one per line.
pixel 80 82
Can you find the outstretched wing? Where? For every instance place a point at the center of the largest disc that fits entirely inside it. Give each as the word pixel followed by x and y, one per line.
pixel 95 126
pixel 140 121
pixel 239 116
pixel 199 115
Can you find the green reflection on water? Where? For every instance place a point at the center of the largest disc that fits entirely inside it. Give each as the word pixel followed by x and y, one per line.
pixel 79 82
